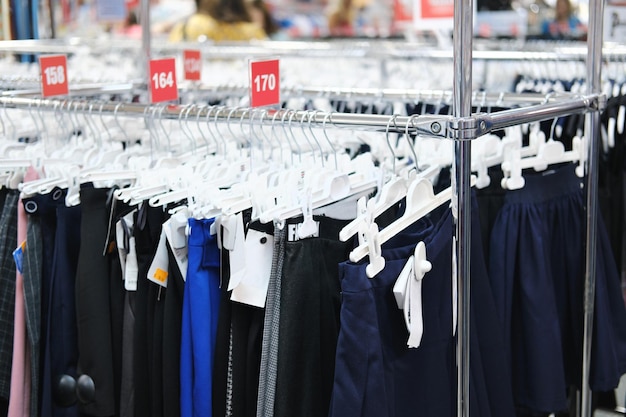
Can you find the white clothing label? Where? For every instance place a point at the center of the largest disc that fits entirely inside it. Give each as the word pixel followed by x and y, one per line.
pixel 175 234
pixel 159 267
pixel 252 288
pixel 408 294
pixel 293 231
pixel 132 269
pixel 236 249
pixel 123 232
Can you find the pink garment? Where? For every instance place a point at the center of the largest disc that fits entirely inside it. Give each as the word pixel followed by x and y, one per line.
pixel 19 402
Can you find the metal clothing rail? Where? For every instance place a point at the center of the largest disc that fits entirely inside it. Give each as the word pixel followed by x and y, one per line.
pixel 439 126
pixel 535 51
pixel 30 87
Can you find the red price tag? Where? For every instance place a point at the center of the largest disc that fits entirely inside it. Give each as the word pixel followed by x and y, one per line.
pixel 53 75
pixel 264 83
pixel 193 65
pixel 163 80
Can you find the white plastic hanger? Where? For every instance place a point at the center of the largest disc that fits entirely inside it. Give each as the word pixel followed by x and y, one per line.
pixel 550 152
pixel 420 201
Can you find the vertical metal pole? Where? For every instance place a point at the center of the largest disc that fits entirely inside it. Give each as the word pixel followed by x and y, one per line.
pixel 145 39
pixel 594 65
pixel 462 107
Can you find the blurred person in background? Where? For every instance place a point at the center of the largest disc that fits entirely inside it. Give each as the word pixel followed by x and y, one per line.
pixel 218 20
pixel 261 14
pixel 565 25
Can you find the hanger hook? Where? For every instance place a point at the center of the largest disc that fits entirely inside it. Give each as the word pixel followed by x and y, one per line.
pixel 264 136
pixel 327 118
pixel 208 126
pixel 119 125
pixel 104 125
pixel 248 137
pixel 408 139
pixel 273 134
pixel 219 110
pixel 552 127
pixel 392 119
pixel 185 110
pixel 291 115
pixel 305 115
pixel 204 139
pixel 253 133
pixel 312 115
pixel 283 124
pixel 165 132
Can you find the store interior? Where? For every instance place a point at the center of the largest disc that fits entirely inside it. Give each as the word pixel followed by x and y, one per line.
pixel 417 211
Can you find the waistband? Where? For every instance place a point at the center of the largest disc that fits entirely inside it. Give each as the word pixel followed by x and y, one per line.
pixel 546 185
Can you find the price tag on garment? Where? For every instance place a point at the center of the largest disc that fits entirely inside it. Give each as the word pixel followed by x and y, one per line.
pixel 192 62
pixel 163 80
pixel 53 75
pixel 264 83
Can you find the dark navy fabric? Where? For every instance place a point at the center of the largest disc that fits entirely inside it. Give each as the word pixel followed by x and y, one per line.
pixel 62 345
pixel 378 375
pixel 537 267
pixel 44 208
pixel 200 316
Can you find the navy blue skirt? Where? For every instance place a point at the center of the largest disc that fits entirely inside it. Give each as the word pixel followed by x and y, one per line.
pixel 376 374
pixel 537 268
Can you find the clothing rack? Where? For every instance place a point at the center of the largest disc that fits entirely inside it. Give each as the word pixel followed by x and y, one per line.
pixel 439 126
pixel 461 126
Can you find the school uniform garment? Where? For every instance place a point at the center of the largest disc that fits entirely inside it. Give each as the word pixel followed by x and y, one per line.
pixel 8 234
pixel 32 300
pixel 122 324
pixel 93 304
pixel 271 327
pixel 173 316
pixel 200 316
pixel 61 352
pixel 611 181
pixel 222 371
pixel 148 317
pixel 309 319
pixel 421 381
pixel 537 273
pixel 43 207
pixel 19 403
pixel 124 217
pixel 239 343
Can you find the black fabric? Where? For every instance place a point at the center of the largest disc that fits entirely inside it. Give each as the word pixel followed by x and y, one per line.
pixel 117 299
pixel 490 200
pixel 309 321
pixel 247 336
pixel 93 308
pixel 148 222
pixel 610 183
pixel 222 343
pixel 172 319
pixel 124 326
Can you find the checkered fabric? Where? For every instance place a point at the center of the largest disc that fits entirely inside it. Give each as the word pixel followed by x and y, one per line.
pixel 8 243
